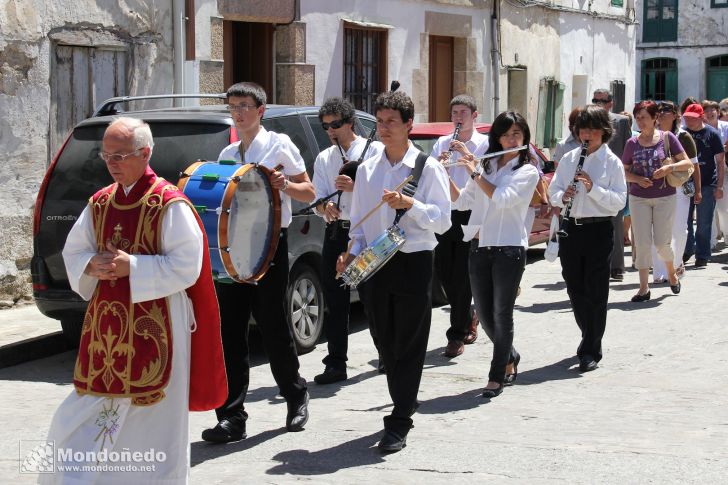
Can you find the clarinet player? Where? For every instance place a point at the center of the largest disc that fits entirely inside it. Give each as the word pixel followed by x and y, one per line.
pixel 596 193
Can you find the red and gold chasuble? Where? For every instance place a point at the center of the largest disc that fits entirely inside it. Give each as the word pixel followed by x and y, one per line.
pixel 126 348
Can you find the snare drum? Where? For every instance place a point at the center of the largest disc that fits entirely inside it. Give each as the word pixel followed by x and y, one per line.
pixel 371 259
pixel 241 214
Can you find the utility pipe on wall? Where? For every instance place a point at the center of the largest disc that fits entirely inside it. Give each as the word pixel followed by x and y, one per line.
pixel 495 58
pixel 178 33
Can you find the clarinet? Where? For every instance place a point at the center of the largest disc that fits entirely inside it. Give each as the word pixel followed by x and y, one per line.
pixel 455 135
pixel 563 228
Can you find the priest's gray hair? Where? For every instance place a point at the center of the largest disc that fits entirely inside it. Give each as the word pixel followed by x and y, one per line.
pixel 141 131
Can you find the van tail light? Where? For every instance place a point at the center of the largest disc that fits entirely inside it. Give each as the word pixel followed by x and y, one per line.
pixel 44 186
pixel 233 134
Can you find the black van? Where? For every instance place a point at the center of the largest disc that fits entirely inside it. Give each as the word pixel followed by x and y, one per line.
pixel 181 136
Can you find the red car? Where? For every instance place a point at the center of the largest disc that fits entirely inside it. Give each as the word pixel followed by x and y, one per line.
pixel 424 136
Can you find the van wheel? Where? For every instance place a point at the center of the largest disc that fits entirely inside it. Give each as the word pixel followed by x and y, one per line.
pixel 72 330
pixel 305 299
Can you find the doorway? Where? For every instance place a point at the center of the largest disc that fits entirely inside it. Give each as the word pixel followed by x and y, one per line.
pixel 441 77
pixel 248 54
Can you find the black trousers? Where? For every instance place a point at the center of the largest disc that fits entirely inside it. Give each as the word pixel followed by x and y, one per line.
pixel 398 298
pixel 495 274
pixel 337 297
pixel 585 262
pixel 267 303
pixel 451 261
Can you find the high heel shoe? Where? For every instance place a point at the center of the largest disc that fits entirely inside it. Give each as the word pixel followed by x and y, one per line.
pixel 491 393
pixel 640 298
pixel 511 378
pixel 676 288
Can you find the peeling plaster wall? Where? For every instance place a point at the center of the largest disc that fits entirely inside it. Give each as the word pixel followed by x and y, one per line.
pixel 25 73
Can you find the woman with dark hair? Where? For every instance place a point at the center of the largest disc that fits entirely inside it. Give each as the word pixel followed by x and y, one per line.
pixel 667 120
pixel 651 198
pixel 498 194
pixel 596 191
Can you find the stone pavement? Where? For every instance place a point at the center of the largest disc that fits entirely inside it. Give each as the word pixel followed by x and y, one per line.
pixel 654 412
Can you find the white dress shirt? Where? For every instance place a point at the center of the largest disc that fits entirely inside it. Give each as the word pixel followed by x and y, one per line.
pixel 270 149
pixel 429 214
pixel 478 145
pixel 609 192
pixel 327 166
pixel 500 220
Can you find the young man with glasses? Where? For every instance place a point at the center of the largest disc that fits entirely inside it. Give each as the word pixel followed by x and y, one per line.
pixel 337 118
pixel 265 300
pixel 622 131
pixel 451 253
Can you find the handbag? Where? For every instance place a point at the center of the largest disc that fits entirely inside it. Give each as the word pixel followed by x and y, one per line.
pixel 552 246
pixel 674 179
pixel 536 199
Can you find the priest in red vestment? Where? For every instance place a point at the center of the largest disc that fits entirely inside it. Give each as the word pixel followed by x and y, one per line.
pixel 150 347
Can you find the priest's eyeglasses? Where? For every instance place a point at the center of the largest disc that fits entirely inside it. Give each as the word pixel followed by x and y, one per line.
pixel 118 157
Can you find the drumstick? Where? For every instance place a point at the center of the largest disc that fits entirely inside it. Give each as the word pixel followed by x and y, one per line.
pixel 351 242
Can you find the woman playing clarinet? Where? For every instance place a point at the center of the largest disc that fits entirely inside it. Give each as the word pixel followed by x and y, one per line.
pixel 498 194
pixel 594 193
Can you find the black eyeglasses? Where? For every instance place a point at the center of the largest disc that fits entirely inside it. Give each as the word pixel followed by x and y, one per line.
pixel 599 101
pixel 336 124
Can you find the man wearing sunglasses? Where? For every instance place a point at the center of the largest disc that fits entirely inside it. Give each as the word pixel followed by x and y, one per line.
pixel 622 131
pixel 337 118
pixel 266 300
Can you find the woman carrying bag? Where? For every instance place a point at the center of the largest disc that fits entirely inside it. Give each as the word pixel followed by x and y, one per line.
pixel 647 163
pixel 667 120
pixel 498 194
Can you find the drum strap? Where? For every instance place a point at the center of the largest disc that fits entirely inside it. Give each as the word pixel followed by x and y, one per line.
pixel 411 187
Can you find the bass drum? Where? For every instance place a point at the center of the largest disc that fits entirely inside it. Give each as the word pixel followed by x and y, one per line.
pixel 241 214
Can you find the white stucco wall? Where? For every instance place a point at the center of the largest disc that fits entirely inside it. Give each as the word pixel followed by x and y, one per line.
pixel 601 49
pixel 25 54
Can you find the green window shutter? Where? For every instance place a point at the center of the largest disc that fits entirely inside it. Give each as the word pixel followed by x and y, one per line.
pixel 617 3
pixel 671 84
pixel 541 118
pixel 558 114
pixel 668 27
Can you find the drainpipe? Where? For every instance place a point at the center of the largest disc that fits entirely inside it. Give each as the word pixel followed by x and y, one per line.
pixel 178 32
pixel 495 58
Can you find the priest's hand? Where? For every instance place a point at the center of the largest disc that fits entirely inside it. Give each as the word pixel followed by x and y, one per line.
pixel 120 260
pixel 101 266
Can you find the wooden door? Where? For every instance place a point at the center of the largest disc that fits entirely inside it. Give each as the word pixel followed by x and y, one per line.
pixel 441 77
pixel 248 54
pixel 81 79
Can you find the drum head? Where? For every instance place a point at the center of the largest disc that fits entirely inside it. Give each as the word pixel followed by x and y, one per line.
pixel 250 228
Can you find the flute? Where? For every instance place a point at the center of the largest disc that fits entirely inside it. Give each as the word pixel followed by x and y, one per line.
pixel 488 155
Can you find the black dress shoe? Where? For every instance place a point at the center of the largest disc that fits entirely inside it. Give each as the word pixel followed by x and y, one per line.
pixel 587 364
pixel 617 275
pixel 225 432
pixel 491 393
pixel 699 263
pixel 297 414
pixel 392 442
pixel 640 298
pixel 330 375
pixel 511 378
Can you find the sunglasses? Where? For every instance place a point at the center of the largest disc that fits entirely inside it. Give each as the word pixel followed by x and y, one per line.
pixel 599 101
pixel 336 124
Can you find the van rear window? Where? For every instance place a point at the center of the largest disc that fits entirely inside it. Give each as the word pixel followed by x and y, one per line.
pixel 80 172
